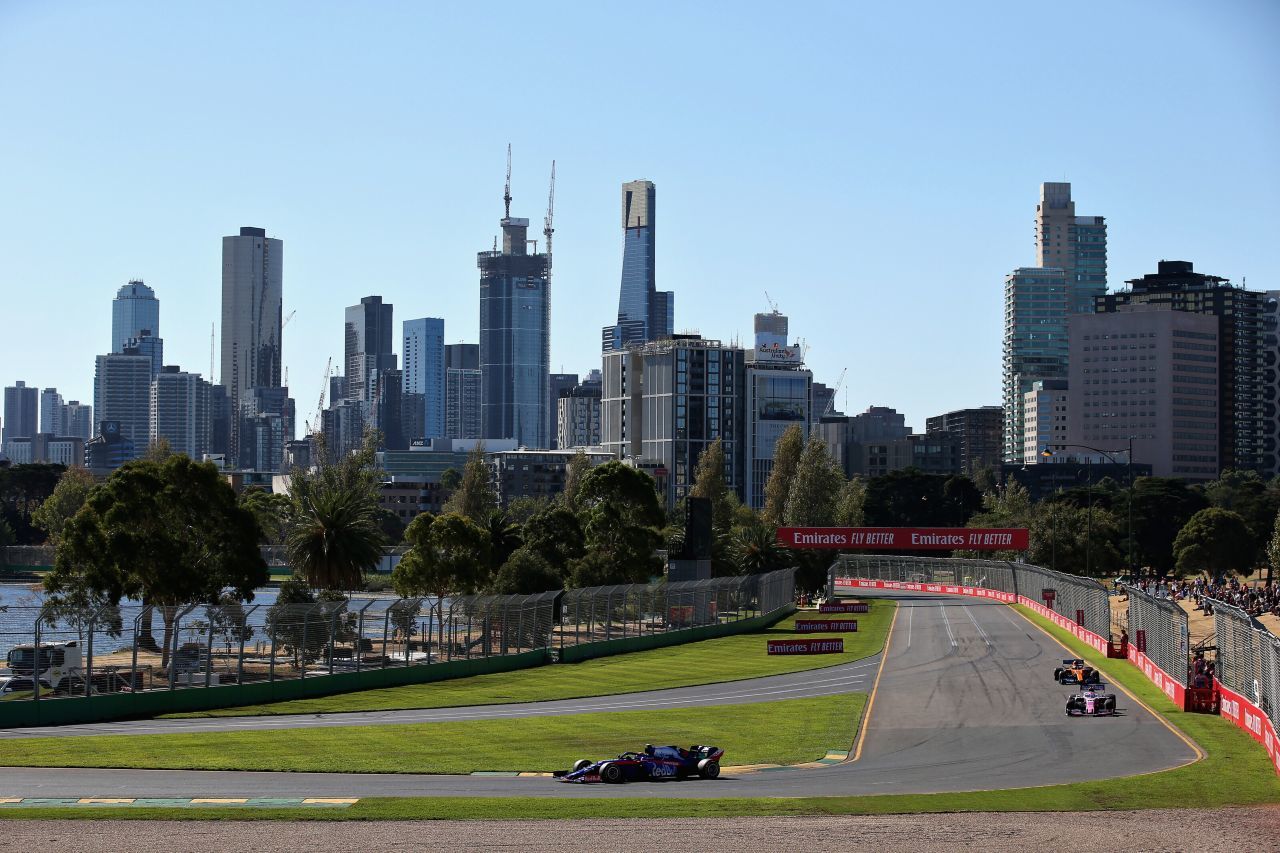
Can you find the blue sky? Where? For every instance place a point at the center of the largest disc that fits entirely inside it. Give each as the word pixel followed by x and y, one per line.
pixel 874 167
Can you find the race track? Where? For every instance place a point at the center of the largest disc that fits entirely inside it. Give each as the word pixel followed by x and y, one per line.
pixel 966 701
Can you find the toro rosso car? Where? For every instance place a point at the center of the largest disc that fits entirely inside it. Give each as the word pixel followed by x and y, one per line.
pixel 656 763
pixel 1091 702
pixel 1075 671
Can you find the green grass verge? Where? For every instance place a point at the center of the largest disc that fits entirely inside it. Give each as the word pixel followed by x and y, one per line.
pixel 704 662
pixel 785 732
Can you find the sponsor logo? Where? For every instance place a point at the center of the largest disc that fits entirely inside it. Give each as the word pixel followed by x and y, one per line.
pixel 818 626
pixel 805 647
pixel 844 607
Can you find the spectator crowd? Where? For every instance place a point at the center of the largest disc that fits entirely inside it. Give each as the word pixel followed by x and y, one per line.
pixel 1256 600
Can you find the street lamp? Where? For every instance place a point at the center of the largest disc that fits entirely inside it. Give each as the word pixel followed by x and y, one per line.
pixel 1047 453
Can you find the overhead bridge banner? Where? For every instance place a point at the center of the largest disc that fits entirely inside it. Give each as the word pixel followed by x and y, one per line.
pixel 906 538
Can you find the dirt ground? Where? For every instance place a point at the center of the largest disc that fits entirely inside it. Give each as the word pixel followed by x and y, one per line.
pixel 1254 829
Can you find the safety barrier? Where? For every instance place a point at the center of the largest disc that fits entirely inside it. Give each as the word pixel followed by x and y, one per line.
pixel 1159 642
pixel 1248 675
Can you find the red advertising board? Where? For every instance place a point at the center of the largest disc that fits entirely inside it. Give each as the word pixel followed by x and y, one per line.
pixel 1048 595
pixel 844 607
pixel 905 538
pixel 820 626
pixel 806 647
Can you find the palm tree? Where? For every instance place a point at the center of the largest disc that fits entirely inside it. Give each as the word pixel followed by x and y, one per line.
pixel 335 538
pixel 504 537
pixel 756 550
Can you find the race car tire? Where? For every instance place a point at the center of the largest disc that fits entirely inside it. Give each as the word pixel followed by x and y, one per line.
pixel 611 773
pixel 581 763
pixel 1109 703
pixel 1057 674
pixel 708 768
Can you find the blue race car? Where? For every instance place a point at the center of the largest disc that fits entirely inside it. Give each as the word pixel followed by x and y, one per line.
pixel 656 763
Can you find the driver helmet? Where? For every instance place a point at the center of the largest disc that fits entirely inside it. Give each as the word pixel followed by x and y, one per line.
pixel 648 749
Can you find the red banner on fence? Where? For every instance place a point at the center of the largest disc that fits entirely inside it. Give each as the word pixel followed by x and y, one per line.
pixel 1248 716
pixel 806 647
pixel 906 538
pixel 820 626
pixel 844 607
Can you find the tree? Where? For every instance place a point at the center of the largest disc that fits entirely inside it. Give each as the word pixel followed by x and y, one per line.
pixel 68 496
pixel 1273 550
pixel 622 520
pixel 1070 539
pixel 1244 493
pixel 786 456
pixel 23 488
pixel 158 450
pixel 474 497
pixel 450 479
pixel 555 535
pixel 912 498
pixel 504 538
pixel 1161 507
pixel 814 488
pixel 335 536
pixel 7 537
pixel 271 511
pixel 627 491
pixel 448 555
pixel 1007 507
pixel 523 508
pixel 294 622
pixel 851 503
pixel 168 533
pixel 1214 541
pixel 574 471
pixel 526 572
pixel 709 483
pixel 756 550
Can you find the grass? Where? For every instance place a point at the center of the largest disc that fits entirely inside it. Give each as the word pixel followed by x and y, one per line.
pixel 705 662
pixel 785 732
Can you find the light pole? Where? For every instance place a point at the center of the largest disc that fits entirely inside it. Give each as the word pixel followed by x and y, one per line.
pixel 1047 452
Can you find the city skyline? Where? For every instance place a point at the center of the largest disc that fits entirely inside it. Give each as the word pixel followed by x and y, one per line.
pixel 876 190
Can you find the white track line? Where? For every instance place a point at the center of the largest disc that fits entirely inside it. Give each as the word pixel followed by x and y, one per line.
pixel 981 633
pixel 911 614
pixel 950 635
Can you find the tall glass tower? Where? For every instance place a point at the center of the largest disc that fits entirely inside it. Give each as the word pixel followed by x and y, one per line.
pixel 135 313
pixel 644 313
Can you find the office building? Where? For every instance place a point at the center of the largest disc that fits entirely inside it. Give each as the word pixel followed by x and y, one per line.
pixel 267 418
pixel 535 473
pixel 387 410
pixel 108 449
pixel 978 432
pixel 51 412
pixel 46 448
pixel 21 411
pixel 515 338
pixel 343 426
pixel 1037 303
pixel 644 313
pixel 778 395
pixel 252 319
pixel 558 385
pixel 149 345
pixel 462 391
pixel 219 421
pixel 1271 384
pixel 424 376
pixel 1150 374
pixel 1044 418
pixel 663 403
pixel 77 420
pixel 135 312
pixel 578 414
pixel 870 443
pixel 367 346
pixel 180 411
pixel 937 453
pixel 824 402
pixel 1241 349
pixel 122 394
pixel 1075 244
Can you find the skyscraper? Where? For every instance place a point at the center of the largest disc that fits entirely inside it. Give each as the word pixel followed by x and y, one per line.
pixel 367 346
pixel 252 293
pixel 21 410
pixel 1075 244
pixel 644 313
pixel 558 384
pixel 150 346
pixel 1036 307
pixel 51 408
pixel 515 338
pixel 462 390
pixel 77 420
pixel 779 394
pixel 424 374
pixel 122 394
pixel 179 411
pixel 134 312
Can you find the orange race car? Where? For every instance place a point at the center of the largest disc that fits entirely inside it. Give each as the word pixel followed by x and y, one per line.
pixel 1076 671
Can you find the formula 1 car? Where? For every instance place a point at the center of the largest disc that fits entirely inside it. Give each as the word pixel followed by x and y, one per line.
pixel 1075 671
pixel 654 764
pixel 1091 702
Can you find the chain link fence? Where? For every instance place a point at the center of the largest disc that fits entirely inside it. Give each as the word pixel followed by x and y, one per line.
pixel 1082 600
pixel 1160 629
pixel 1248 658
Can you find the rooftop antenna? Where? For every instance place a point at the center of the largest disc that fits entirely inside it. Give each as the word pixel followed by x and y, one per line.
pixel 506 193
pixel 547 229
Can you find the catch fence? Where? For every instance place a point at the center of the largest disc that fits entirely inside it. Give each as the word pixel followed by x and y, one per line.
pixel 1159 628
pixel 1248 660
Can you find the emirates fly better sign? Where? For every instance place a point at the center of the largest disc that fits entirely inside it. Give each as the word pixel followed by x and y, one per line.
pixel 906 538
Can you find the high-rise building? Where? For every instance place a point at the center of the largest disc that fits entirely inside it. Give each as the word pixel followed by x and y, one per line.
pixel 267 417
pixel 343 427
pixel 869 444
pixel 21 411
pixel 424 375
pixel 558 384
pixel 367 346
pixel 644 313
pixel 219 421
pixel 77 420
pixel 180 411
pixel 978 432
pixel 388 410
pixel 462 391
pixel 1271 384
pixel 149 345
pixel 1044 416
pixel 665 402
pixel 779 394
pixel 1075 244
pixel 122 394
pixel 135 312
pixel 252 319
pixel 1241 348
pixel 578 414
pixel 108 449
pixel 515 338
pixel 51 412
pixel 1037 303
pixel 1147 374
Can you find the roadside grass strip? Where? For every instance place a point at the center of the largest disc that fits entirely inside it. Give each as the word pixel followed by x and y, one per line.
pixel 790 731
pixel 715 661
pixel 99 803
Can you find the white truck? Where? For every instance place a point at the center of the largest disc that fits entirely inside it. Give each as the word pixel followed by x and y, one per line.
pixel 59 667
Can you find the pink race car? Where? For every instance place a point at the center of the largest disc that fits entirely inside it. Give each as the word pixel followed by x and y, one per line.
pixel 1091 702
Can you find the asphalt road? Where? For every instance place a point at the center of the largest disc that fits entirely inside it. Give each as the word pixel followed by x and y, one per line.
pixel 966 701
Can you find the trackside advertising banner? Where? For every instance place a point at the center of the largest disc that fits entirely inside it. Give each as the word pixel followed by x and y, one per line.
pixel 850 584
pixel 1249 717
pixel 806 647
pixel 844 607
pixel 826 626
pixel 1158 677
pixel 905 538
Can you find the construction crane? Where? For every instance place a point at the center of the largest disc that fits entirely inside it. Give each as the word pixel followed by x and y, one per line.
pixel 282 325
pixel 547 229
pixel 506 193
pixel 324 390
pixel 831 404
pixel 773 306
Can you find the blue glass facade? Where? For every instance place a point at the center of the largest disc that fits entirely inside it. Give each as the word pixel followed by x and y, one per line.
pixel 424 371
pixel 1037 303
pixel 134 312
pixel 644 313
